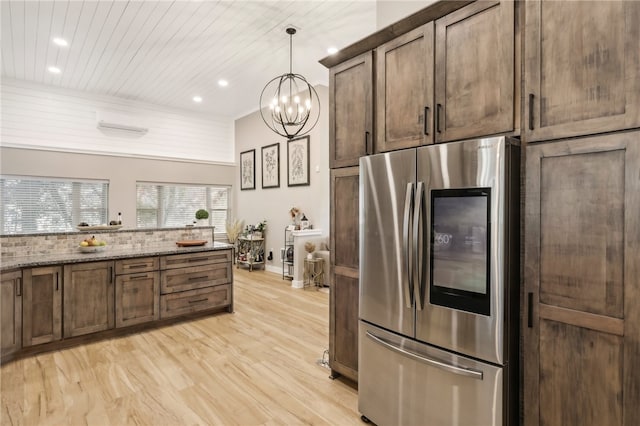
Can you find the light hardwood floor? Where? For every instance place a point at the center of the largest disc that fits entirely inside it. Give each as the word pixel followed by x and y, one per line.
pixel 255 366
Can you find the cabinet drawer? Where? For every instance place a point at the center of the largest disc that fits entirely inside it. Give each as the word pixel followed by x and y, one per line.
pixel 194 259
pixel 187 302
pixel 137 264
pixel 174 280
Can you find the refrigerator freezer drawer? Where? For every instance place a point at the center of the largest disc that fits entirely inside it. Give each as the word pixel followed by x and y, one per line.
pixel 404 382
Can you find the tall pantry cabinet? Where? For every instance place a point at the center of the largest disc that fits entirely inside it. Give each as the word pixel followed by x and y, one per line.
pixel 350 137
pixel 581 327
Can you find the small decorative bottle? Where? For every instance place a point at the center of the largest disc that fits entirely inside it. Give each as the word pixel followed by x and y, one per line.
pixel 119 218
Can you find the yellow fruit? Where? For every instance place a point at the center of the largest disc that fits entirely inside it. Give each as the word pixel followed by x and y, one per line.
pixel 84 244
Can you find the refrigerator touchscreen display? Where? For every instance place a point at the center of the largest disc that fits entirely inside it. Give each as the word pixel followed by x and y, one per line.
pixel 460 248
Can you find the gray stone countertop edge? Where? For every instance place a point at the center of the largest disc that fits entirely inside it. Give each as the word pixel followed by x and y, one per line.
pixel 107 254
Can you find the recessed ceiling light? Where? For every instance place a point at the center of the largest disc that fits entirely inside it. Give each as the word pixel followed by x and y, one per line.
pixel 223 83
pixel 54 70
pixel 60 42
pixel 332 50
pixel 197 99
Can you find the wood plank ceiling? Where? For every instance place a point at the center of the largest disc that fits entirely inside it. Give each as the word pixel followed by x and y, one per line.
pixel 166 52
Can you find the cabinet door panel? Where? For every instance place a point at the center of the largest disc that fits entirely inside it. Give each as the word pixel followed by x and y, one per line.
pixel 137 298
pixel 350 111
pixel 582 281
pixel 344 330
pixel 11 312
pixel 343 341
pixel 590 387
pixel 404 82
pixel 42 305
pixel 88 298
pixel 582 67
pixel 345 217
pixel 475 71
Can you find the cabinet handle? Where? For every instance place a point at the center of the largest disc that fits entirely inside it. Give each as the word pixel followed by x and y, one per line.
pixel 138 277
pixel 140 265
pixel 19 287
pixel 438 114
pixel 57 287
pixel 531 111
pixel 198 278
pixel 198 259
pixel 366 143
pixel 199 300
pixel 110 274
pixel 530 310
pixel 426 122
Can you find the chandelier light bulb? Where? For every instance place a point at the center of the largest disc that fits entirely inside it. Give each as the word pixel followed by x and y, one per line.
pixel 277 109
pixel 284 99
pixel 296 99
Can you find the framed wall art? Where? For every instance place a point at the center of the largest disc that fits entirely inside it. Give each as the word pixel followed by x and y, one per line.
pixel 248 169
pixel 271 166
pixel 298 161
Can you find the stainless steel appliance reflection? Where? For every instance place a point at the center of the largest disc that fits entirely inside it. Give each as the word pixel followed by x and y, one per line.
pixel 438 333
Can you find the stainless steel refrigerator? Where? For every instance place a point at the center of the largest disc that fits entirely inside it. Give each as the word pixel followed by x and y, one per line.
pixel 439 285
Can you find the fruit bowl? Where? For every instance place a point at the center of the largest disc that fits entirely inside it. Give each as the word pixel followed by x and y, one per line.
pixel 91 249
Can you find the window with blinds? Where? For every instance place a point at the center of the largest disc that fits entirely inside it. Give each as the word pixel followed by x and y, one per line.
pixel 36 204
pixel 170 205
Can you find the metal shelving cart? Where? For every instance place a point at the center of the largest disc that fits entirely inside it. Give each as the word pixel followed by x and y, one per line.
pixel 250 251
pixel 287 255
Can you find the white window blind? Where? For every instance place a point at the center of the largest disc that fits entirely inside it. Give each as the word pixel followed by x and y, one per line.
pixel 162 205
pixel 36 204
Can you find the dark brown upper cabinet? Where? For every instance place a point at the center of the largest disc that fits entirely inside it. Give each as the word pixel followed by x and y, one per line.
pixel 475 69
pixel 404 90
pixel 582 68
pixel 351 111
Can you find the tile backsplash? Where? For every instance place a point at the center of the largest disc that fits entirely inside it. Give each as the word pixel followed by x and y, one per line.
pixel 67 242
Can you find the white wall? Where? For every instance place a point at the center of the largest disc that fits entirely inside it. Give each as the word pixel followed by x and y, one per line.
pixel 43 117
pixel 390 11
pixel 121 172
pixel 273 204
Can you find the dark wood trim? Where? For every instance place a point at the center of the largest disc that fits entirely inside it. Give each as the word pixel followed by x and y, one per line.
pixel 421 17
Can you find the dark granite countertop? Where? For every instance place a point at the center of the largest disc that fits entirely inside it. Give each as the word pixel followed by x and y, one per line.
pixel 110 253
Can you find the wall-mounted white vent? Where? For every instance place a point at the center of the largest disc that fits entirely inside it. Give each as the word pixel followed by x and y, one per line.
pixel 115 121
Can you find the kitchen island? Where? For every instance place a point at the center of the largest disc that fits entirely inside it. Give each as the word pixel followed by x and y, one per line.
pixel 49 301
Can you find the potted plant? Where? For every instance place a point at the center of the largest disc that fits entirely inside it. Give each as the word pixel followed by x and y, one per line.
pixel 309 247
pixel 202 215
pixel 259 229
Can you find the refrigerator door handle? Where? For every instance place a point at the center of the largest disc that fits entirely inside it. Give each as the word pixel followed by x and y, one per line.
pixel 407 278
pixel 462 371
pixel 417 255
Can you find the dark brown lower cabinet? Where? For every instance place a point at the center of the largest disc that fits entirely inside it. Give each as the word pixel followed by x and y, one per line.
pixel 10 312
pixel 41 305
pixel 582 282
pixel 344 294
pixel 88 298
pixel 137 291
pixel 137 298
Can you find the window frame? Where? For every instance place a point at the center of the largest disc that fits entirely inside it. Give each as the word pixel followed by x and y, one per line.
pixel 46 183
